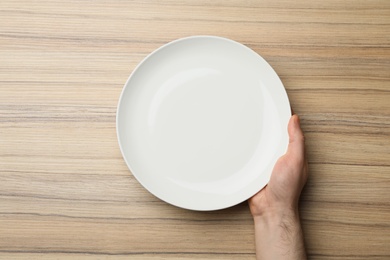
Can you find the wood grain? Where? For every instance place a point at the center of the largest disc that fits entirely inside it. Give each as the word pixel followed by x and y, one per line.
pixel 65 191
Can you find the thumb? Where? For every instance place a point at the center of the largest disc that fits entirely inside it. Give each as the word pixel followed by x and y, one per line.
pixel 296 146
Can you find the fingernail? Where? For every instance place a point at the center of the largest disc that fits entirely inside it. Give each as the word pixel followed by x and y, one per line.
pixel 298 120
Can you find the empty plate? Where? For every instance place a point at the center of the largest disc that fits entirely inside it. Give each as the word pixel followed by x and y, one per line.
pixel 201 122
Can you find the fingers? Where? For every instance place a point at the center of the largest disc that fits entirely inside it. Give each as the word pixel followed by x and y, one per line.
pixel 296 147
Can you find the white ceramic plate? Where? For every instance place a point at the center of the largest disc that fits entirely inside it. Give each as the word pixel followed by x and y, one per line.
pixel 201 122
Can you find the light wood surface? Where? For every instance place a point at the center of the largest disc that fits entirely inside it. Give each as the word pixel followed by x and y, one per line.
pixel 65 191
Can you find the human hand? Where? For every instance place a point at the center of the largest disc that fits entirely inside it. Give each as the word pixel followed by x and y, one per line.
pixel 287 179
pixel 274 209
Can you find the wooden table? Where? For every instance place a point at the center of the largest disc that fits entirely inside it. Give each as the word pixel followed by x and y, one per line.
pixel 65 191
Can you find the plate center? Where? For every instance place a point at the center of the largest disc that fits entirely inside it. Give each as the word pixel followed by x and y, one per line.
pixel 205 124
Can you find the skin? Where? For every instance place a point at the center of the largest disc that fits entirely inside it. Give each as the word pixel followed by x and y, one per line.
pixel 278 232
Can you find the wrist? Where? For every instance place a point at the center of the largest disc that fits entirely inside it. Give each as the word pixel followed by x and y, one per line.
pixel 276 213
pixel 277 217
pixel 279 235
